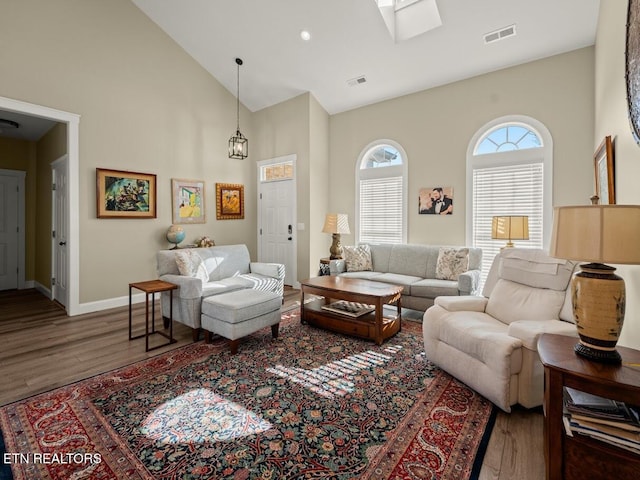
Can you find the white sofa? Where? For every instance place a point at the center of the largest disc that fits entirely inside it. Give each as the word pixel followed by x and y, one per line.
pixel 216 270
pixel 490 342
pixel 415 267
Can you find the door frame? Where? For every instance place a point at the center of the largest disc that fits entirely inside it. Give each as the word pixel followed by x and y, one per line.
pixel 73 188
pixel 20 176
pixel 294 210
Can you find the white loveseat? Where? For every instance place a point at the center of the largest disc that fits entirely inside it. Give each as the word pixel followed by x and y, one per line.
pixel 416 268
pixel 490 342
pixel 214 270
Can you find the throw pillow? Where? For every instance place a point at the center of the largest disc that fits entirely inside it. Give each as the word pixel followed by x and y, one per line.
pixel 190 265
pixel 358 259
pixel 451 263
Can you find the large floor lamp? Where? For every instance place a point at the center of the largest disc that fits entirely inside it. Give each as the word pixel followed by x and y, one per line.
pixel 597 234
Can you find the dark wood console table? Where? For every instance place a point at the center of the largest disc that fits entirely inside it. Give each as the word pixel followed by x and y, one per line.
pixel 581 457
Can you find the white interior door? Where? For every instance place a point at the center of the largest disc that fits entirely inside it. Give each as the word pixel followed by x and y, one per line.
pixel 59 270
pixel 276 222
pixel 9 233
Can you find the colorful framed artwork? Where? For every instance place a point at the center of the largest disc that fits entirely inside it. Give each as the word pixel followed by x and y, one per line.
pixel 229 201
pixel 122 194
pixel 187 201
pixel 603 166
pixel 435 201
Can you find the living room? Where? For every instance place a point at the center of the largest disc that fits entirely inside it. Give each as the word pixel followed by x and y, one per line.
pixel 145 105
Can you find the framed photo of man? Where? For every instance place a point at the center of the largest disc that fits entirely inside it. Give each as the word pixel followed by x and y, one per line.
pixel 435 201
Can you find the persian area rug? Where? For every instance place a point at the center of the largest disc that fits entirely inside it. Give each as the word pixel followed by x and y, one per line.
pixel 308 405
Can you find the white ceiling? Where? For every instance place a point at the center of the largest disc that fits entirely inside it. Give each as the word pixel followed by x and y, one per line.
pixel 349 39
pixel 30 128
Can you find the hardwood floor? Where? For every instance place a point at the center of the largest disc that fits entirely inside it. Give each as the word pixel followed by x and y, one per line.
pixel 41 349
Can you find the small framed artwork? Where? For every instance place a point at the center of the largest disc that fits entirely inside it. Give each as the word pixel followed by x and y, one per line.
pixel 122 194
pixel 229 201
pixel 603 166
pixel 187 201
pixel 435 201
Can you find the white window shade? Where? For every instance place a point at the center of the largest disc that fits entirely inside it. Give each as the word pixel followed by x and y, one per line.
pixel 501 191
pixel 381 210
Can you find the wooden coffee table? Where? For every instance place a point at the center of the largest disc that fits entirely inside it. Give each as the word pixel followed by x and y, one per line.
pixel 373 325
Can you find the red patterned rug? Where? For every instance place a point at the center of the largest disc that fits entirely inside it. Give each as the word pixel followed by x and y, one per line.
pixel 309 405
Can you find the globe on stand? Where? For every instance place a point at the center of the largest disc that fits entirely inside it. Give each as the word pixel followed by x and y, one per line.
pixel 175 235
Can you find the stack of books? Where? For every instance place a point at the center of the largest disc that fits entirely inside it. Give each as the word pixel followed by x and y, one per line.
pixel 602 418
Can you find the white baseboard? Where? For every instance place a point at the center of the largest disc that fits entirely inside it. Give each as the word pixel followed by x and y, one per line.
pixel 46 291
pixel 106 304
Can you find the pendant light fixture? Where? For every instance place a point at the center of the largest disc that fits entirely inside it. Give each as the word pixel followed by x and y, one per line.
pixel 238 143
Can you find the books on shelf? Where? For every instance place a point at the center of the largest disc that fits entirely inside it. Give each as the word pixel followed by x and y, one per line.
pixel 351 309
pixel 601 418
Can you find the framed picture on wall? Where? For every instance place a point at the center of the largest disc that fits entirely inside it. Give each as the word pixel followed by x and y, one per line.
pixel 122 194
pixel 229 201
pixel 435 201
pixel 187 201
pixel 604 173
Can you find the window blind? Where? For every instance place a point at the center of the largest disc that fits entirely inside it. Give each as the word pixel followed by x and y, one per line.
pixel 506 190
pixel 381 210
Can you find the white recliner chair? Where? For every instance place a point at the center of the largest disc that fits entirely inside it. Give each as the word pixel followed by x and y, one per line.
pixel 489 342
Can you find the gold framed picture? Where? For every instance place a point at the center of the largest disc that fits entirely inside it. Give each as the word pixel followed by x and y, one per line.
pixel 229 201
pixel 604 173
pixel 187 201
pixel 122 194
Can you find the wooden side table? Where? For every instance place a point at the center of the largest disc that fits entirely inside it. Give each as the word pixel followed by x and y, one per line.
pixel 150 288
pixel 582 457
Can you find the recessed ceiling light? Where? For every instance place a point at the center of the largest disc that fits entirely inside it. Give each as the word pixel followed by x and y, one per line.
pixel 305 35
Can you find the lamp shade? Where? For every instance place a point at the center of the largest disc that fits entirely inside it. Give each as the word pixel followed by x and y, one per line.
pixel 511 227
pixel 597 233
pixel 336 223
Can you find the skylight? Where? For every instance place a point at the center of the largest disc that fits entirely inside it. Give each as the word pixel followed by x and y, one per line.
pixel 406 19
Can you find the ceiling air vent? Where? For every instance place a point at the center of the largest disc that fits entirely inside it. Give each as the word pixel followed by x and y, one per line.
pixel 357 81
pixel 501 34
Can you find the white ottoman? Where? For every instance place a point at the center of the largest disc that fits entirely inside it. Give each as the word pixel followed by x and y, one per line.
pixel 239 313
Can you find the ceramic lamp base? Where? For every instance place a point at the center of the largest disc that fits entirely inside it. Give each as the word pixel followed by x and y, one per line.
pixel 598 306
pixel 336 247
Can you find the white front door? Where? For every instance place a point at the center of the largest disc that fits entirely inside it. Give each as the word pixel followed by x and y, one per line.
pixel 276 225
pixel 59 273
pixel 9 233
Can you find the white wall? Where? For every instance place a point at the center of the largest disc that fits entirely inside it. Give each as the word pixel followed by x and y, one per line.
pixel 611 118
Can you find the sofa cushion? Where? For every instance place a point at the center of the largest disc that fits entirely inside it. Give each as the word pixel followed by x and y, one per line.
pixel 358 259
pixel 482 337
pixel 535 268
pixel 190 265
pixel 511 301
pixel 432 288
pixel 238 306
pixel 452 262
pixel 410 259
pixel 220 286
pixel 397 279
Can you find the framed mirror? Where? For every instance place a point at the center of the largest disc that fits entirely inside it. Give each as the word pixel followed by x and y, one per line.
pixel 632 67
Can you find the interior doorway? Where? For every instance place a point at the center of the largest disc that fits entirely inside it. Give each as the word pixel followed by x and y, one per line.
pixel 72 227
pixel 12 252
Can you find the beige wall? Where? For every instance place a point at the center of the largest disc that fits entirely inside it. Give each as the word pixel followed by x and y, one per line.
pixel 16 154
pixel 319 179
pixel 145 106
pixel 611 118
pixel 435 126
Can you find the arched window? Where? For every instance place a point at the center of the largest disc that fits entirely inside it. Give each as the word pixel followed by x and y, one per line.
pixel 509 172
pixel 381 205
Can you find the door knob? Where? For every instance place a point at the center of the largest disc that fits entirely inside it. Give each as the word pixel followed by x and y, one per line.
pixel 290 238
pixel 62 244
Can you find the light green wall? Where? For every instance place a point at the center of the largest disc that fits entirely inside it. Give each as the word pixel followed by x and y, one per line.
pixel 435 126
pixel 611 118
pixel 145 106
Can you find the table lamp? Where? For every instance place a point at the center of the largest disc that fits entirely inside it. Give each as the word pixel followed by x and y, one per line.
pixel 336 224
pixel 597 234
pixel 512 227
